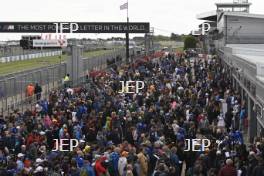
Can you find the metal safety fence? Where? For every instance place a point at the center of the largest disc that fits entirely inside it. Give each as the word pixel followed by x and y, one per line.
pixel 13 86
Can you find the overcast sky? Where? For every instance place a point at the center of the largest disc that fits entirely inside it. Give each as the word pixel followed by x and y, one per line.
pixel 166 16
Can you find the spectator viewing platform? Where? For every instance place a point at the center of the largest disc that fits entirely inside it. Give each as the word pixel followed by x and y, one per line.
pixel 236 6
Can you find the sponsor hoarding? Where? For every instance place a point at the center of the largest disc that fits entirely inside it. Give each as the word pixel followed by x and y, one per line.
pixel 74 27
pixel 49 43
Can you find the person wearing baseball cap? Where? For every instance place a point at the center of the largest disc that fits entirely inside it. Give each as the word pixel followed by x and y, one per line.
pixel 19 162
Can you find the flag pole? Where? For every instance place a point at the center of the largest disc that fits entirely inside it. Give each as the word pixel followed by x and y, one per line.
pixel 127 37
pixel 127 12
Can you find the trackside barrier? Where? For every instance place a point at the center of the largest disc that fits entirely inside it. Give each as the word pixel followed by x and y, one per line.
pixel 29 56
pixel 13 86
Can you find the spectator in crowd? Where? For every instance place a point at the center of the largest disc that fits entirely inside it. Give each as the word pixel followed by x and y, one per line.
pixel 130 134
pixel 38 91
pixel 66 81
pixel 228 169
pixel 30 92
pixel 1 92
pixel 259 169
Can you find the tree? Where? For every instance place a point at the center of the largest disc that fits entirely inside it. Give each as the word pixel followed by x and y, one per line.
pixel 161 38
pixel 189 42
pixel 175 37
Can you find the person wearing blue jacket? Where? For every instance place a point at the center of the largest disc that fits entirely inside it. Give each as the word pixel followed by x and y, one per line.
pixel 242 117
pixel 114 157
pixel 87 168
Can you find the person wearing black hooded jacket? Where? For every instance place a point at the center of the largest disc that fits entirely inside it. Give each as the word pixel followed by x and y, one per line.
pixel 37 91
pixel 259 169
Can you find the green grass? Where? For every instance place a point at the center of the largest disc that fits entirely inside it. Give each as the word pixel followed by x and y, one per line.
pixel 17 66
pixel 175 46
pixel 12 67
pixel 172 44
pixel 96 53
pixel 180 49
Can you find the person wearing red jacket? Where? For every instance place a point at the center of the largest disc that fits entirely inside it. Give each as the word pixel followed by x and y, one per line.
pixel 99 168
pixel 228 169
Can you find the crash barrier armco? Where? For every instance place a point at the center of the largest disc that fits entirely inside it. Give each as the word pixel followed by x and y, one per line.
pixel 29 56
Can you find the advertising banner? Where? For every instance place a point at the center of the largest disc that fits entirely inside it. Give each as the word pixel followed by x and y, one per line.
pixel 49 43
pixel 74 27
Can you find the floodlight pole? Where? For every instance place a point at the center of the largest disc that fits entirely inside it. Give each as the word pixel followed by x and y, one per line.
pixel 61 76
pixel 127 37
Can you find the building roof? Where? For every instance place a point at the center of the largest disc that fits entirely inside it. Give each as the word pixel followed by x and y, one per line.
pixel 230 4
pixel 244 14
pixel 210 16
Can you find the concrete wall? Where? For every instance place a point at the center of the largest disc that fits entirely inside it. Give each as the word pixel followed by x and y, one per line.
pixel 245 30
pixel 247 72
pixel 240 30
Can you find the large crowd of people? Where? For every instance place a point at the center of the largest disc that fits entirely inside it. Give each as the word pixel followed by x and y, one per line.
pixel 136 134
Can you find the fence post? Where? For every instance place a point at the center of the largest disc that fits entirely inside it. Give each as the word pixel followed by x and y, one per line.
pixel 53 74
pixel 101 60
pixel 5 86
pixel 23 87
pixel 16 92
pixel 48 75
pixel 2 106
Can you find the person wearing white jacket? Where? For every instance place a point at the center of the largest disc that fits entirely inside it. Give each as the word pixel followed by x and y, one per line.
pixel 122 163
pixel 221 121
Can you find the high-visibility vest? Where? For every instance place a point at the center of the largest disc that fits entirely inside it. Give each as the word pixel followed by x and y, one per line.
pixel 30 90
pixel 66 78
